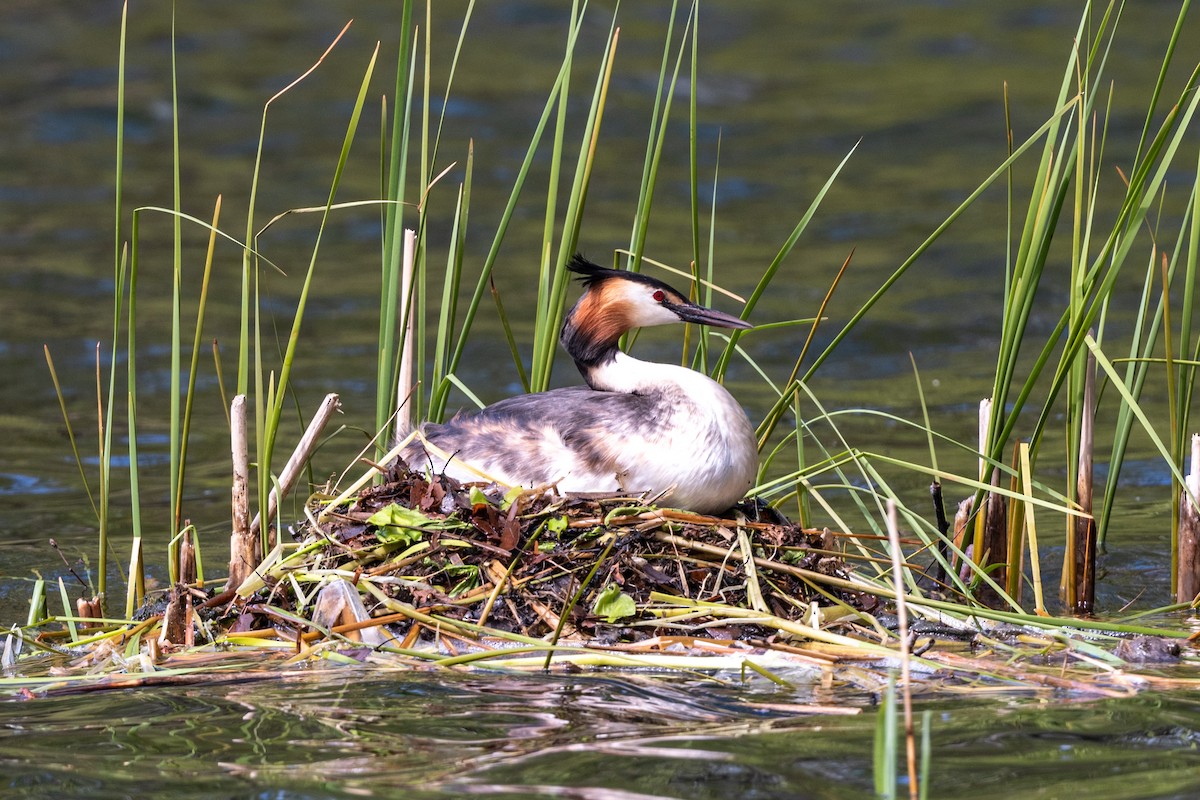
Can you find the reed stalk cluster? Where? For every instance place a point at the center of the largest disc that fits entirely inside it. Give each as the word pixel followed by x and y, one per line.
pixel 975 577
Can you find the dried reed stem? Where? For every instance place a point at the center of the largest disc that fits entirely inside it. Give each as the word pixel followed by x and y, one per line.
pixel 943 526
pixel 1188 581
pixel 1084 549
pixel 304 450
pixel 187 558
pixel 244 550
pixel 991 538
pixel 404 378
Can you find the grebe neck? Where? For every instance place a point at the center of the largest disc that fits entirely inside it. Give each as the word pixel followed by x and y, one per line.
pixel 592 342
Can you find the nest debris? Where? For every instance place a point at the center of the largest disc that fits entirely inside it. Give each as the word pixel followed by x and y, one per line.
pixel 518 563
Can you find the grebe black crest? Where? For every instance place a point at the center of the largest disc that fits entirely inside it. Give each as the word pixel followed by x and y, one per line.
pixel 661 430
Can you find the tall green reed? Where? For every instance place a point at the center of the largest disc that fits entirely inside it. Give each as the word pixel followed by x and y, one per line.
pixel 1065 172
pixel 182 387
pixel 1066 193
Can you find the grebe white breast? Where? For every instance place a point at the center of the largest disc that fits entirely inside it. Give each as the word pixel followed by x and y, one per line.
pixel 661 430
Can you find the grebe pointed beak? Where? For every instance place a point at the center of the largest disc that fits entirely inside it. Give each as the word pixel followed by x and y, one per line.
pixel 690 312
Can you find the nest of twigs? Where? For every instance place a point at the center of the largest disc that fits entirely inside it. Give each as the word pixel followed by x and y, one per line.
pixel 421 570
pixel 537 565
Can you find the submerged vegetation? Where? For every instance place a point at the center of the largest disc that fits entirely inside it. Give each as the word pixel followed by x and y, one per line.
pixel 396 568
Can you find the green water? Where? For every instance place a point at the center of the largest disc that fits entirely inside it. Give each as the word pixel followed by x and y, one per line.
pixel 341 733
pixel 788 88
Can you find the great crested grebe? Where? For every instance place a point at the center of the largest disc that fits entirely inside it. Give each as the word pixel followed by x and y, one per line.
pixel 661 430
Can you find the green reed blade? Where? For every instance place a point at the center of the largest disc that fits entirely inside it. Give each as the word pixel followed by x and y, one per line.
pixel 62 404
pixel 294 337
pixel 547 337
pixel 194 367
pixel 776 413
pixel 654 138
pixel 1144 186
pixel 131 384
pixel 544 343
pixel 885 750
pixel 542 311
pixel 175 469
pixel 1156 93
pixel 68 611
pixel 777 262
pixel 104 420
pixel 693 146
pixel 393 219
pixel 506 217
pixel 418 304
pixel 37 603
pixel 702 359
pixel 248 267
pixel 926 752
pixel 450 286
pixel 1135 407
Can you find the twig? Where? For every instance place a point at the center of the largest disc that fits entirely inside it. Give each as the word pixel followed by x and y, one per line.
pixel 295 465
pixel 66 564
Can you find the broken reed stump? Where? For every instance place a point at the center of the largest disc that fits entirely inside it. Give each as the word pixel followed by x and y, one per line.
pixel 962 519
pixel 991 532
pixel 994 550
pixel 300 456
pixel 180 611
pixel 245 545
pixel 244 551
pixel 404 379
pixel 178 618
pixel 1187 580
pixel 187 557
pixel 1083 547
pixel 88 608
pixel 943 526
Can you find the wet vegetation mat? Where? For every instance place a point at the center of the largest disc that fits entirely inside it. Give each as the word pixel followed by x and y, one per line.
pixel 421 572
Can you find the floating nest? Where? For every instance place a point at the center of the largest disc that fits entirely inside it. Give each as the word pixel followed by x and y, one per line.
pixel 594 571
pixel 420 572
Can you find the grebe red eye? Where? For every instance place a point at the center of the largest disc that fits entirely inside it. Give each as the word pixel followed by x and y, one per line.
pixel 659 295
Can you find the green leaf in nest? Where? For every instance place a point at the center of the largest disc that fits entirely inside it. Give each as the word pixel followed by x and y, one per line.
pixel 613 604
pixel 511 496
pixel 406 525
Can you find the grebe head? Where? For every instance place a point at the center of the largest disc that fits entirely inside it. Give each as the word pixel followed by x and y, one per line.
pixel 615 301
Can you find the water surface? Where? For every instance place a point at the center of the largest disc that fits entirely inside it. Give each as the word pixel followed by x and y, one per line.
pixel 787 89
pixel 339 733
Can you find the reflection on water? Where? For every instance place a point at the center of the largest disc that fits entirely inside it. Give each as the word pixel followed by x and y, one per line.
pixel 788 89
pixel 343 733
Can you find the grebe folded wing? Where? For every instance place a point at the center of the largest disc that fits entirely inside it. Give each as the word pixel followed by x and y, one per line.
pixel 552 437
pixel 691 453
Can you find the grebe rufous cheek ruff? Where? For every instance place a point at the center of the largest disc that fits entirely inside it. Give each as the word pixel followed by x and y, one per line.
pixel 638 427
